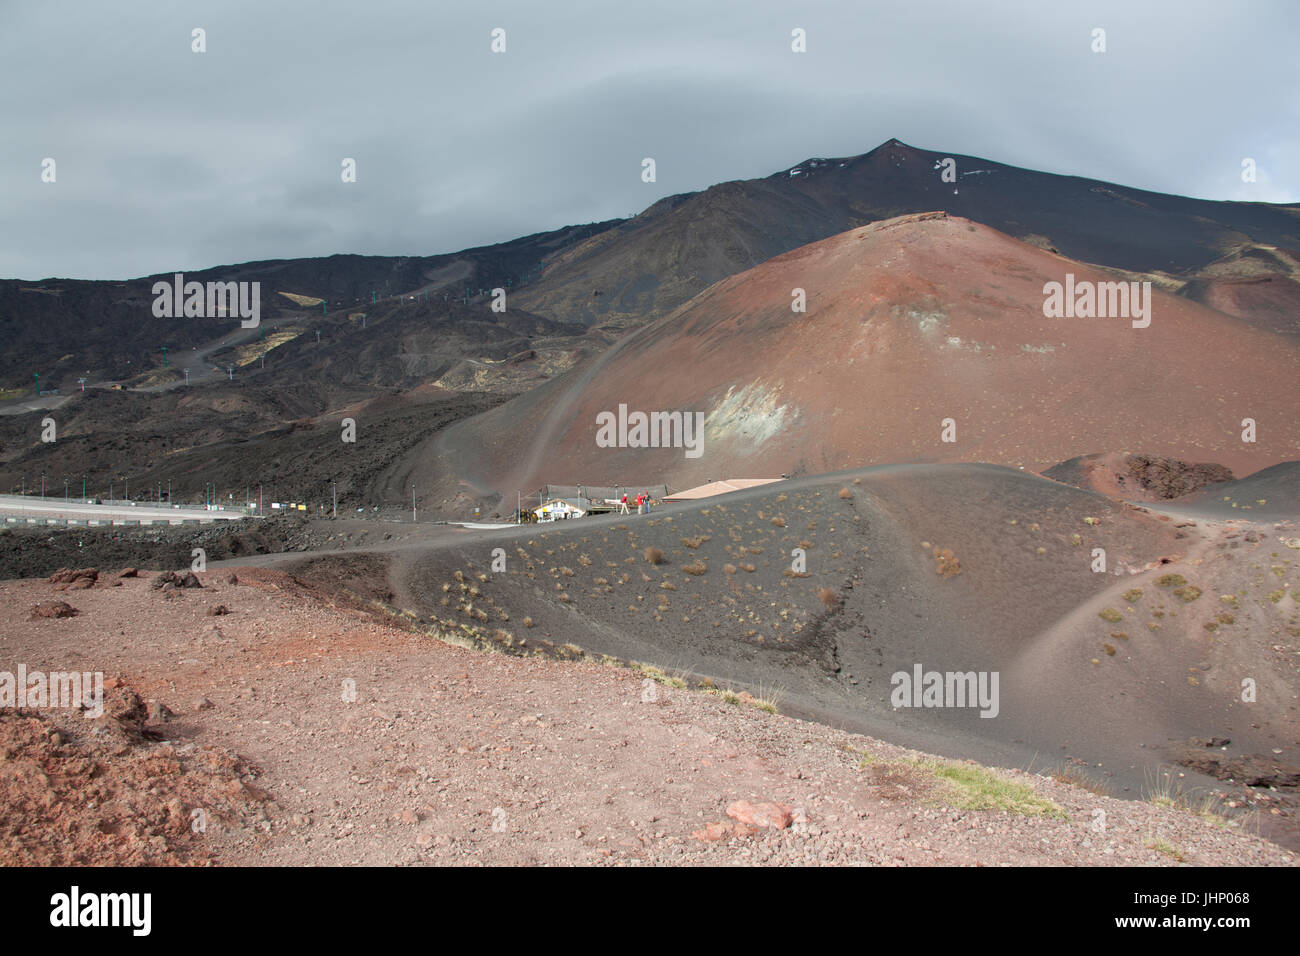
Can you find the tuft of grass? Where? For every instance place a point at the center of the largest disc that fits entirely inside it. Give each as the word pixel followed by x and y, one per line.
pixel 1076 778
pixel 1168 849
pixel 695 567
pixel 692 542
pixel 778 522
pixel 975 788
pixel 1132 595
pixel 654 555
pixel 1187 594
pixel 1171 581
pixel 845 494
pixel 729 568
pixel 1111 615
pixel 827 596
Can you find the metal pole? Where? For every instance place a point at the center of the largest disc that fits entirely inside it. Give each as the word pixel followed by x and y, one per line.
pixel 336 500
pixel 259 500
pixel 412 504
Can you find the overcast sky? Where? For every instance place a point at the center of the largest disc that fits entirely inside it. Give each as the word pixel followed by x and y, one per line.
pixel 170 159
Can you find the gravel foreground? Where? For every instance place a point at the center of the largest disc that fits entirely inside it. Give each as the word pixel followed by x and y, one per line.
pixel 297 732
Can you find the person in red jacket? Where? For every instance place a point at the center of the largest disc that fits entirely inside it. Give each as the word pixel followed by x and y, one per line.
pixel 640 503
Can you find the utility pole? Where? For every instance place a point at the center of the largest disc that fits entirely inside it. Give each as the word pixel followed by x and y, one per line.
pixel 82 382
pixel 187 376
pixel 110 491
pixel 164 352
pixel 42 487
pixel 169 491
pixel 263 360
pixel 519 507
pixel 259 500
pixel 65 489
pixel 413 504
pixel 324 308
pixel 230 370
pixel 336 499
pixel 83 489
pixel 37 376
pixel 318 336
pixel 128 488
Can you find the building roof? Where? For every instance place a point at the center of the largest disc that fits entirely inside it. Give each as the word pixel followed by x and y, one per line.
pixel 582 504
pixel 721 487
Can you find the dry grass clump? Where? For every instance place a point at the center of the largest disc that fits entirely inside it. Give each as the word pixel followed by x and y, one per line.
pixel 946 564
pixel 692 542
pixel 827 596
pixel 695 567
pixel 729 568
pixel 778 522
pixel 654 555
pixel 845 494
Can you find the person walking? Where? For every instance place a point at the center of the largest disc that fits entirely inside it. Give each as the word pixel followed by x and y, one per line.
pixel 623 505
pixel 640 503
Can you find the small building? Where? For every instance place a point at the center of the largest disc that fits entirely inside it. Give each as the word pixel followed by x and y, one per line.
pixel 559 509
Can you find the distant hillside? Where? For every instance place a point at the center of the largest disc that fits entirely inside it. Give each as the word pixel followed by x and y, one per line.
pixel 65 329
pixel 647 266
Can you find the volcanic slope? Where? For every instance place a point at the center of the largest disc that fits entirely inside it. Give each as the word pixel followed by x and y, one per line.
pixel 909 322
pixel 957 568
pixel 647 266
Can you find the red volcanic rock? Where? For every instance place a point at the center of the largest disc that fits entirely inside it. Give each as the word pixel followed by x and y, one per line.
pixel 721 830
pixel 66 579
pixel 47 609
pixel 775 815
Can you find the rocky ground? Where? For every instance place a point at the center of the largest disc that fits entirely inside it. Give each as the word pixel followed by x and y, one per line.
pixel 310 732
